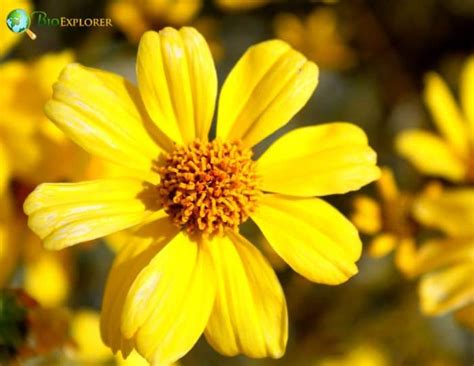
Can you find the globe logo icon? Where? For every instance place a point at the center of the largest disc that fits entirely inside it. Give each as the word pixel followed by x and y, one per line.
pixel 18 21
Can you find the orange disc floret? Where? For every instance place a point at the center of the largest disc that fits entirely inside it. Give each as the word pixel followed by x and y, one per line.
pixel 206 187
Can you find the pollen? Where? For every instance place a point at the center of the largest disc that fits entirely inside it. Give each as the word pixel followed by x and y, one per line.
pixel 206 187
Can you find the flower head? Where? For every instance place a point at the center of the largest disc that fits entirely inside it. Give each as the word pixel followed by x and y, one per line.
pixel 187 270
pixel 450 155
pixel 447 264
pixel 318 36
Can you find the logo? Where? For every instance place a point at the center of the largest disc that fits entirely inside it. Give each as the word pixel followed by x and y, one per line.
pixel 18 21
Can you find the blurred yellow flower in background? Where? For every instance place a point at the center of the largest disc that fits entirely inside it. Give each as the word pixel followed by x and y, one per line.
pixel 24 129
pixel 450 155
pixel 361 355
pixel 188 270
pixel 388 220
pixel 134 17
pixel 448 268
pixel 318 36
pixel 209 27
pixel 33 150
pixel 240 5
pixel 447 264
pixel 47 275
pixel 450 210
pixel 89 348
pixel 7 37
pixel 85 331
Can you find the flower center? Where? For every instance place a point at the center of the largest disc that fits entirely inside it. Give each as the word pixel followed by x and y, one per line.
pixel 206 187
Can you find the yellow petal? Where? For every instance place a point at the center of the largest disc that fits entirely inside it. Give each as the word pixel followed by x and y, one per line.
pixel 178 82
pixel 452 212
pixel 134 359
pixel 467 95
pixel 103 113
pixel 405 256
pixel 387 186
pixel 133 257
pixel 64 214
pixel 318 160
pixel 249 314
pixel 382 244
pixel 161 278
pixel 366 215
pixel 48 68
pixel 447 290
pixel 265 89
pixel 430 154
pixel 315 239
pixel 169 303
pixel 438 253
pixel 144 234
pixel 446 113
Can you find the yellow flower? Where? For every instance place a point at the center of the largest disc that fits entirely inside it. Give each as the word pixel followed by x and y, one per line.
pixel 29 147
pixel 240 5
pixel 24 129
pixel 450 155
pixel 389 221
pixel 448 268
pixel 362 355
pixel 47 275
pixel 9 38
pixel 451 211
pixel 447 264
pixel 89 348
pixel 85 332
pixel 188 270
pixel 318 36
pixel 134 17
